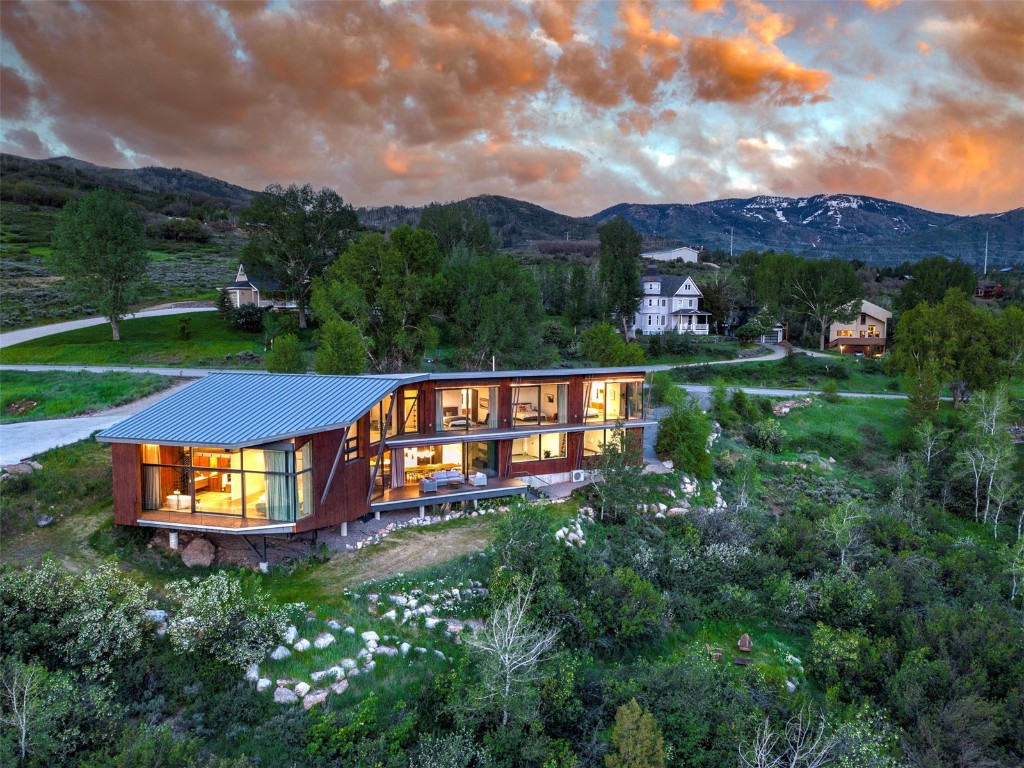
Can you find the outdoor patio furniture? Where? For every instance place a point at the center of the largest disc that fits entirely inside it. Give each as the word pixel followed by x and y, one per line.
pixel 478 479
pixel 428 485
pixel 746 644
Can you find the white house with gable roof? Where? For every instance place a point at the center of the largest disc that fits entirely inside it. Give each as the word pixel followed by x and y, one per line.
pixel 670 304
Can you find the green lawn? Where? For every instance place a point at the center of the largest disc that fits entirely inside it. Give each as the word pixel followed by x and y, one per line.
pixel 57 394
pixel 853 428
pixel 705 352
pixel 144 341
pixel 799 372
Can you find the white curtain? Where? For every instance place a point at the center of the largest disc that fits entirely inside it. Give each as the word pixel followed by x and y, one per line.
pixel 279 506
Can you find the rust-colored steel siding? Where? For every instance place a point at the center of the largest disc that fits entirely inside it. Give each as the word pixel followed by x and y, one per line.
pixel 550 466
pixel 346 500
pixel 124 457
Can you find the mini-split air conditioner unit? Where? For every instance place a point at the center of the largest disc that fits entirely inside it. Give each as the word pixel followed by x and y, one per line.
pixel 579 475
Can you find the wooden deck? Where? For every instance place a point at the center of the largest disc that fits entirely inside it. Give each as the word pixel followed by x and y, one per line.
pixel 410 497
pixel 202 521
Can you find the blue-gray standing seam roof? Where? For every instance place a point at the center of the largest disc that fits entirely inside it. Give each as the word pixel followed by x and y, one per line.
pixel 231 410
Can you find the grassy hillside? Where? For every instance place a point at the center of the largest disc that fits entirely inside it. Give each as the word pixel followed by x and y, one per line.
pixel 30 294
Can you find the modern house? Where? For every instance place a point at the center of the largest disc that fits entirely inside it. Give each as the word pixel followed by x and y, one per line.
pixel 279 454
pixel 244 290
pixel 867 333
pixel 670 304
pixel 685 253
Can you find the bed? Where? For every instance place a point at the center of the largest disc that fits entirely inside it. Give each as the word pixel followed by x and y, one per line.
pixel 527 412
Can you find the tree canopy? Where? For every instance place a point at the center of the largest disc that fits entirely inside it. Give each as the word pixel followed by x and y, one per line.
pixel 826 292
pixel 99 246
pixel 294 234
pixel 386 289
pixel 454 223
pixel 952 342
pixel 930 279
pixel 619 271
pixel 497 313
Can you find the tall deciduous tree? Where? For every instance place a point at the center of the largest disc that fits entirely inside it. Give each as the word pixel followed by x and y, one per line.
pixel 930 279
pixel 294 234
pixel 454 223
pixel 826 292
pixel 619 270
pixel 99 246
pixel 385 288
pixel 497 314
pixel 952 342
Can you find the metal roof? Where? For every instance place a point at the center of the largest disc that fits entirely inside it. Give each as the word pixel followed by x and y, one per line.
pixel 540 373
pixel 235 410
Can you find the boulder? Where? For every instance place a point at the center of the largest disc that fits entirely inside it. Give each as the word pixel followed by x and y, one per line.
pixel 291 635
pixel 405 648
pixel 350 630
pixel 791 686
pixel 316 677
pixel 431 622
pixel 336 671
pixel 335 625
pixel 370 635
pixel 198 553
pixel 302 645
pixel 313 698
pixel 43 520
pixel 263 684
pixel 392 614
pixel 280 653
pixel 154 614
pixel 284 696
pixel 386 650
pixel 301 689
pixel 340 687
pixel 348 664
pixel 323 640
pixel 371 645
pixel 252 674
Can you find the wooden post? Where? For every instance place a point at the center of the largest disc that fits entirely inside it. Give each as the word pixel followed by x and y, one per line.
pixel 423 511
pixel 173 537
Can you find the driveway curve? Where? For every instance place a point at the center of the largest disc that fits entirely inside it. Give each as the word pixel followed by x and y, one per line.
pixel 11 338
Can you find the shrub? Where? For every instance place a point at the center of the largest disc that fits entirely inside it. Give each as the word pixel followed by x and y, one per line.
pixel 286 355
pixel 248 318
pixel 661 387
pixel 185 328
pixel 219 618
pixel 225 307
pixel 628 606
pixel 830 391
pixel 683 437
pixel 636 739
pixel 767 435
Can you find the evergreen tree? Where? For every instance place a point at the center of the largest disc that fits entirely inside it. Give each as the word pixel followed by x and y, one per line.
pixel 636 739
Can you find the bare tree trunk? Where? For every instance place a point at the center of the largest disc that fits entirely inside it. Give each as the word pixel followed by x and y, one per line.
pixel 115 328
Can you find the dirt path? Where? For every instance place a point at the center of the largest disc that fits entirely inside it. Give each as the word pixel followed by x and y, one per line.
pixel 408 550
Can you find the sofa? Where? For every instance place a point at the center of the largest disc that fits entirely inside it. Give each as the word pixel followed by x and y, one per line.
pixel 445 476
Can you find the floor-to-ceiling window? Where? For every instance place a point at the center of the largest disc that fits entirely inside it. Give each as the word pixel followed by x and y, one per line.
pixel 465 408
pixel 540 404
pixel 270 482
pixel 610 400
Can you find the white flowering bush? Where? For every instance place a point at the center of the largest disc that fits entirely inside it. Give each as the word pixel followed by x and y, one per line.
pixel 92 621
pixel 221 617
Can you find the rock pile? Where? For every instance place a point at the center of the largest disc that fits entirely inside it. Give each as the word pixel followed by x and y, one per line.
pixel 384 532
pixel 572 534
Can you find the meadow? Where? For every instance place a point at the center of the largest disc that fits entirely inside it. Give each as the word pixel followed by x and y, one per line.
pixel 34 395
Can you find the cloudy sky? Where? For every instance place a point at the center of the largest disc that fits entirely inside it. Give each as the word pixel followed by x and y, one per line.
pixel 574 106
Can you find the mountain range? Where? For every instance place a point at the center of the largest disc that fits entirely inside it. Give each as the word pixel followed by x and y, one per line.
pixel 874 230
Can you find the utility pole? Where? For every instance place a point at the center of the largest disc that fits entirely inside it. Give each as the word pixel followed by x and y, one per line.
pixel 730 243
pixel 985 272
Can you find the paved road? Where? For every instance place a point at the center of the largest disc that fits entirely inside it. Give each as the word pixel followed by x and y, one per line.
pixel 30 438
pixel 180 373
pixel 27 334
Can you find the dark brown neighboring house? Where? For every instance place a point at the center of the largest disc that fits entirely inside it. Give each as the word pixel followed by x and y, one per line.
pixel 988 290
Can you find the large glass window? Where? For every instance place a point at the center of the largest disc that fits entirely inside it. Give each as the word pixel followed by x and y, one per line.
pixel 613 401
pixel 410 411
pixel 540 404
pixel 273 483
pixel 379 416
pixel 538 447
pixel 352 442
pixel 466 408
